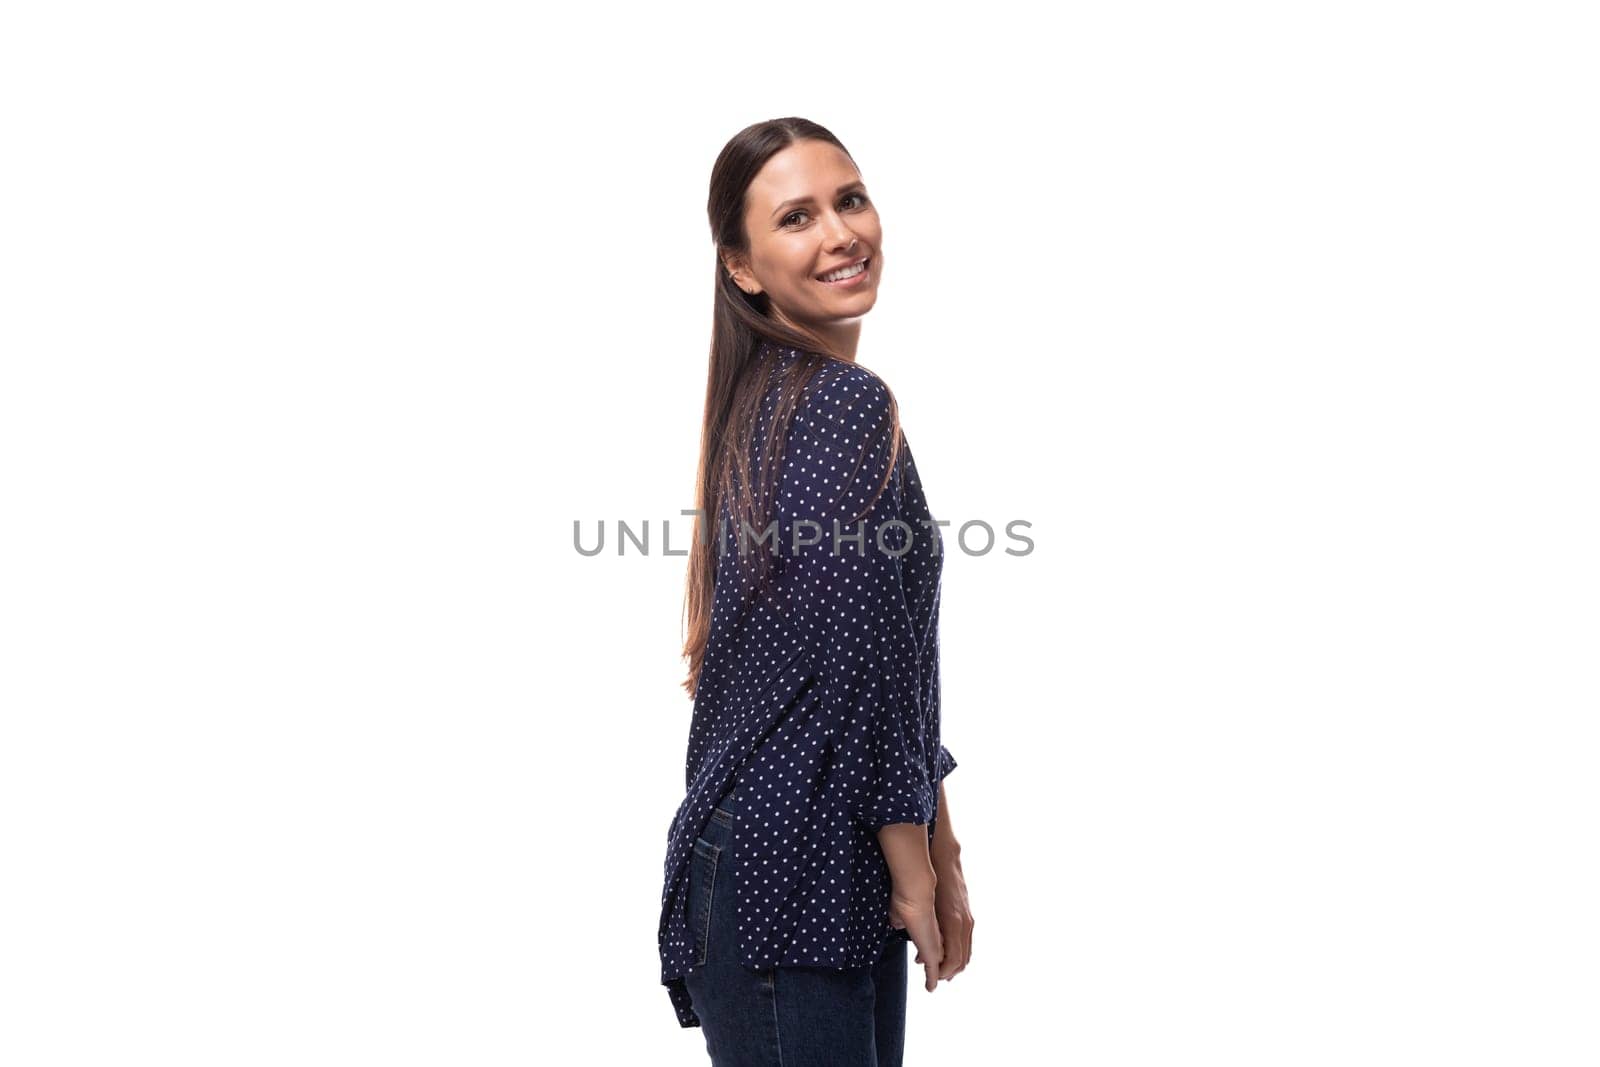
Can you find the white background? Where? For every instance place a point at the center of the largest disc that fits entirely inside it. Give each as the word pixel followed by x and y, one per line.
pixel 322 323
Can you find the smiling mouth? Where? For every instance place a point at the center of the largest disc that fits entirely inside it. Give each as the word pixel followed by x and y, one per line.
pixel 845 273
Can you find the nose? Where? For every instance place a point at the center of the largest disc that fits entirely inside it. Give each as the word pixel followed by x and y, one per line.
pixel 841 238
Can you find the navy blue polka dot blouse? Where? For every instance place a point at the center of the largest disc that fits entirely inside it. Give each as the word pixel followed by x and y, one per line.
pixel 818 695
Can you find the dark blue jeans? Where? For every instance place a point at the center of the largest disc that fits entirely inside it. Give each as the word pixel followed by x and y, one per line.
pixel 783 1016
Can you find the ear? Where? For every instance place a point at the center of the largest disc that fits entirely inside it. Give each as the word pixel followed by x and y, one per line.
pixel 735 264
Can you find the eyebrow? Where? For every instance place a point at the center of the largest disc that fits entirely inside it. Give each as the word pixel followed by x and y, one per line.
pixel 857 184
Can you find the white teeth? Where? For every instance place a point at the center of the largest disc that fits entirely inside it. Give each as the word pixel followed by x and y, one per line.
pixel 845 272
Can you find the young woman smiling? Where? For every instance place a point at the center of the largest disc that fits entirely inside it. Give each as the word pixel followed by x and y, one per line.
pixel 814 839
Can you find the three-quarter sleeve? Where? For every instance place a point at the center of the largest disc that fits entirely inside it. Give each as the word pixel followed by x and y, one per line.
pixel 844 596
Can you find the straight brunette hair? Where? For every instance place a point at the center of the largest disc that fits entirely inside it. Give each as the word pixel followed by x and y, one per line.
pixel 737 381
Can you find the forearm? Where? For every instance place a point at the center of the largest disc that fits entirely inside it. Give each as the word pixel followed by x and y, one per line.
pixel 905 848
pixel 913 862
pixel 945 848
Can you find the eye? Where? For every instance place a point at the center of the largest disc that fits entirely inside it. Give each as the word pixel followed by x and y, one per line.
pixel 862 197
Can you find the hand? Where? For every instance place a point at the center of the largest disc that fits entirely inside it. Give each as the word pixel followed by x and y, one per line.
pixel 912 909
pixel 953 913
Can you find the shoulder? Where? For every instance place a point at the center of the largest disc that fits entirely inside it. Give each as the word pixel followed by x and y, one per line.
pixel 847 395
pixel 836 384
pixel 843 427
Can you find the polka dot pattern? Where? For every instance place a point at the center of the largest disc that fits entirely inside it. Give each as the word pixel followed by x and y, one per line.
pixel 819 693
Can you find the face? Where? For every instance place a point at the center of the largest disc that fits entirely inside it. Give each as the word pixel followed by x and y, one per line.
pixel 807 215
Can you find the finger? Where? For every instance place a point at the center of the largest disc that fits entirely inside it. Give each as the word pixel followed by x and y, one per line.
pixel 932 958
pixel 952 959
pixel 957 949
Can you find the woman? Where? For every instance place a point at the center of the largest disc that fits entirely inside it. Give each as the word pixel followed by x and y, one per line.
pixel 814 840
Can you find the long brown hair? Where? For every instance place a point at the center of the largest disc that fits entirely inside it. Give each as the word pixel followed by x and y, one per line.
pixel 738 377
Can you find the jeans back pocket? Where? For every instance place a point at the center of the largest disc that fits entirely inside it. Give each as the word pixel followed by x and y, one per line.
pixel 702 880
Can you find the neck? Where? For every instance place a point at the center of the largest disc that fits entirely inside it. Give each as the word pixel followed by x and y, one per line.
pixel 841 336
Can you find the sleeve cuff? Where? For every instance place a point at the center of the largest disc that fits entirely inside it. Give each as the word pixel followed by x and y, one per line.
pixel 915 806
pixel 947 763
